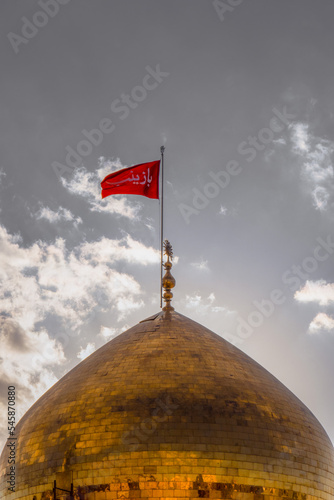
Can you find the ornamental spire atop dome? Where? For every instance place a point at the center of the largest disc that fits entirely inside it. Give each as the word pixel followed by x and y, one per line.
pixel 168 281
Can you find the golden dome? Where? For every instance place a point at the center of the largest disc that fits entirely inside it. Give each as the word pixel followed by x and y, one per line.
pixel 169 409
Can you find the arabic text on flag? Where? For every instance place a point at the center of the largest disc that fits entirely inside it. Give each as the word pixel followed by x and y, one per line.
pixel 142 179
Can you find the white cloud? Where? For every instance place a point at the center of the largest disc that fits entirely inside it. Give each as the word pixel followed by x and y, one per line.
pixel 62 214
pixel 316 164
pixel 49 279
pixel 49 284
pixel 280 140
pixel 320 292
pixel 126 305
pixel 84 352
pixel 87 185
pixel 21 344
pixel 127 249
pixel 222 210
pixel 149 223
pixel 320 323
pixel 321 198
pixel 300 137
pixel 23 365
pixel 204 306
pixel 202 265
pixel 109 333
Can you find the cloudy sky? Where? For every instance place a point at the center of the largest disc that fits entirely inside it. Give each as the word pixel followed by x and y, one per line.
pixel 241 95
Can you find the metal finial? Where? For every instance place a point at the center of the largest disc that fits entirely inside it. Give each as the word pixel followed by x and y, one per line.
pixel 168 281
pixel 168 249
pixel 162 149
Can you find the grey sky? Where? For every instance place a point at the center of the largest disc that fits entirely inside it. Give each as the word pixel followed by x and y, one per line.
pixel 251 84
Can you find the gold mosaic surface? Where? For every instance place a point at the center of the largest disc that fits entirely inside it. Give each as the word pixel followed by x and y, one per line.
pixel 171 410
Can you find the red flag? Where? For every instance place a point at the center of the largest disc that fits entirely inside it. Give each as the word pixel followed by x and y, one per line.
pixel 142 179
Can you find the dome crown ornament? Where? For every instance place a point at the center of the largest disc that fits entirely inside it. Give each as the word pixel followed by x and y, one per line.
pixel 168 281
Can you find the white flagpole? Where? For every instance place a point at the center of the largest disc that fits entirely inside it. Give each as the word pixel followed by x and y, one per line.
pixel 162 150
